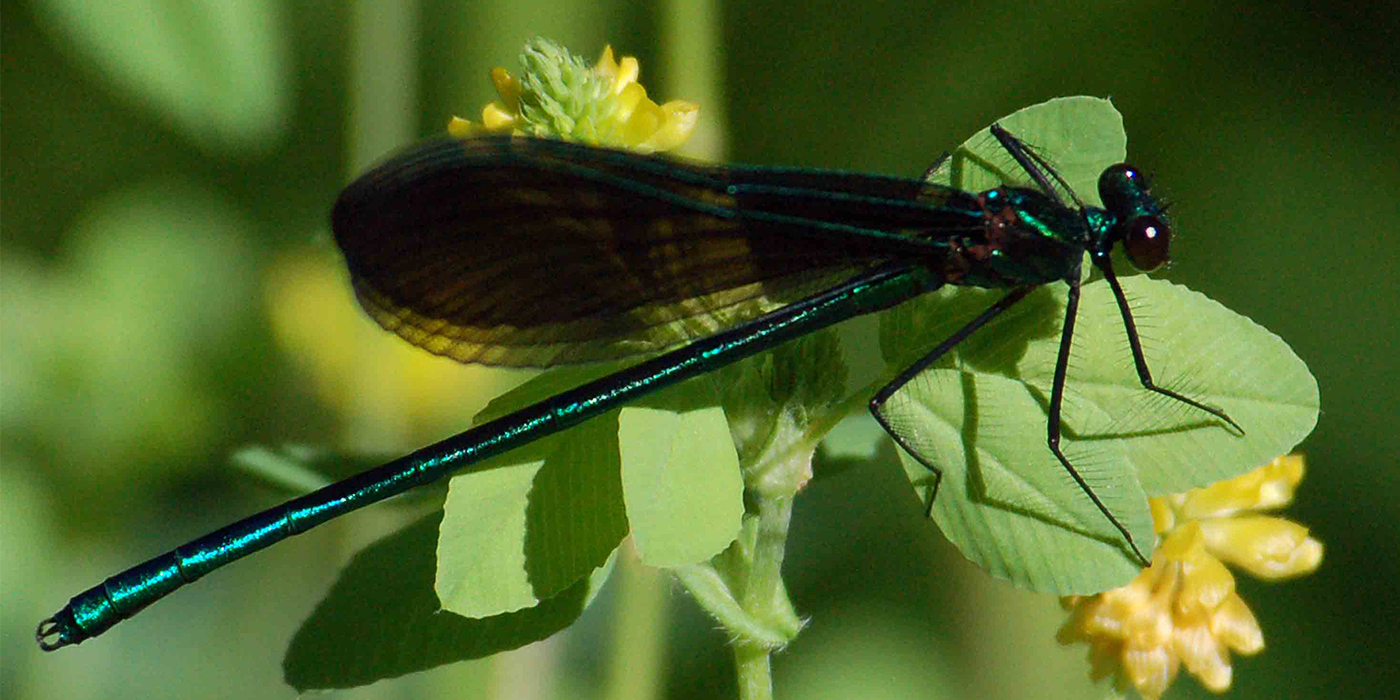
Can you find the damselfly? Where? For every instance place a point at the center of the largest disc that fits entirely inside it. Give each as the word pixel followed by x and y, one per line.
pixel 526 252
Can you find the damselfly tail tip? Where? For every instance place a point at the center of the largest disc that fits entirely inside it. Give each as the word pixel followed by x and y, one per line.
pixel 50 634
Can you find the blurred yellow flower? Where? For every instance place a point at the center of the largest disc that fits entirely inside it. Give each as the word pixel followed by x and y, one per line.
pixel 1183 609
pixel 603 105
pixel 386 391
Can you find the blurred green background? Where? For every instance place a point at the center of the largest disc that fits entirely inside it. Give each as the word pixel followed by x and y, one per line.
pixel 169 294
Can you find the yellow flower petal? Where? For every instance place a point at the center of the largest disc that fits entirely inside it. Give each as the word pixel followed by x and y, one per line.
pixel 1181 543
pixel 678 122
pixel 1202 656
pixel 1207 584
pixel 497 117
pixel 459 128
pixel 1163 516
pixel 1268 547
pixel 1236 627
pixel 626 103
pixel 626 74
pixel 1270 486
pixel 1184 610
pixel 620 75
pixel 603 104
pixel 508 88
pixel 606 65
pixel 1151 670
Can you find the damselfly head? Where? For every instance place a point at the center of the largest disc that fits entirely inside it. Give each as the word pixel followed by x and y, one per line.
pixel 1147 241
pixel 1141 219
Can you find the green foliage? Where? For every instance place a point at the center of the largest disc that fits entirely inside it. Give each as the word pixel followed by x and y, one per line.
pixel 216 70
pixel 382 619
pixel 525 536
pixel 979 414
pixel 681 478
pixel 1004 499
pixel 1080 135
pixel 1274 198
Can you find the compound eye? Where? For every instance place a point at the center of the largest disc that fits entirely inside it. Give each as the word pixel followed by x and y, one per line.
pixel 1147 241
pixel 1120 185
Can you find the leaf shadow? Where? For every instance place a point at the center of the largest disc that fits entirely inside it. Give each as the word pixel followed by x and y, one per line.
pixel 382 619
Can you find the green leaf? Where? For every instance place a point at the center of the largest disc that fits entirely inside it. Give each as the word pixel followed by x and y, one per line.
pixel 1008 504
pixel 1003 498
pixel 217 70
pixel 681 480
pixel 1197 347
pixel 857 436
pixel 381 619
pixel 523 526
pixel 519 534
pixel 980 414
pixel 1080 135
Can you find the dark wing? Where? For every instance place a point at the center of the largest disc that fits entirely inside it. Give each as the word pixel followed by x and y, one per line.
pixel 521 252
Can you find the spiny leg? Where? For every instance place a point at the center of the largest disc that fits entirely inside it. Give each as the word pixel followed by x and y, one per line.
pixel 1037 167
pixel 1052 427
pixel 1139 359
pixel 928 173
pixel 877 402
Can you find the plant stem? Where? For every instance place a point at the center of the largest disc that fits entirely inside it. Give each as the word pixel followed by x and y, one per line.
pixel 755 673
pixel 764 597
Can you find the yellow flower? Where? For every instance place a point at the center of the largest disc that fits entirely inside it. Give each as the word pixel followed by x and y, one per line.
pixel 1183 610
pixel 369 377
pixel 603 105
